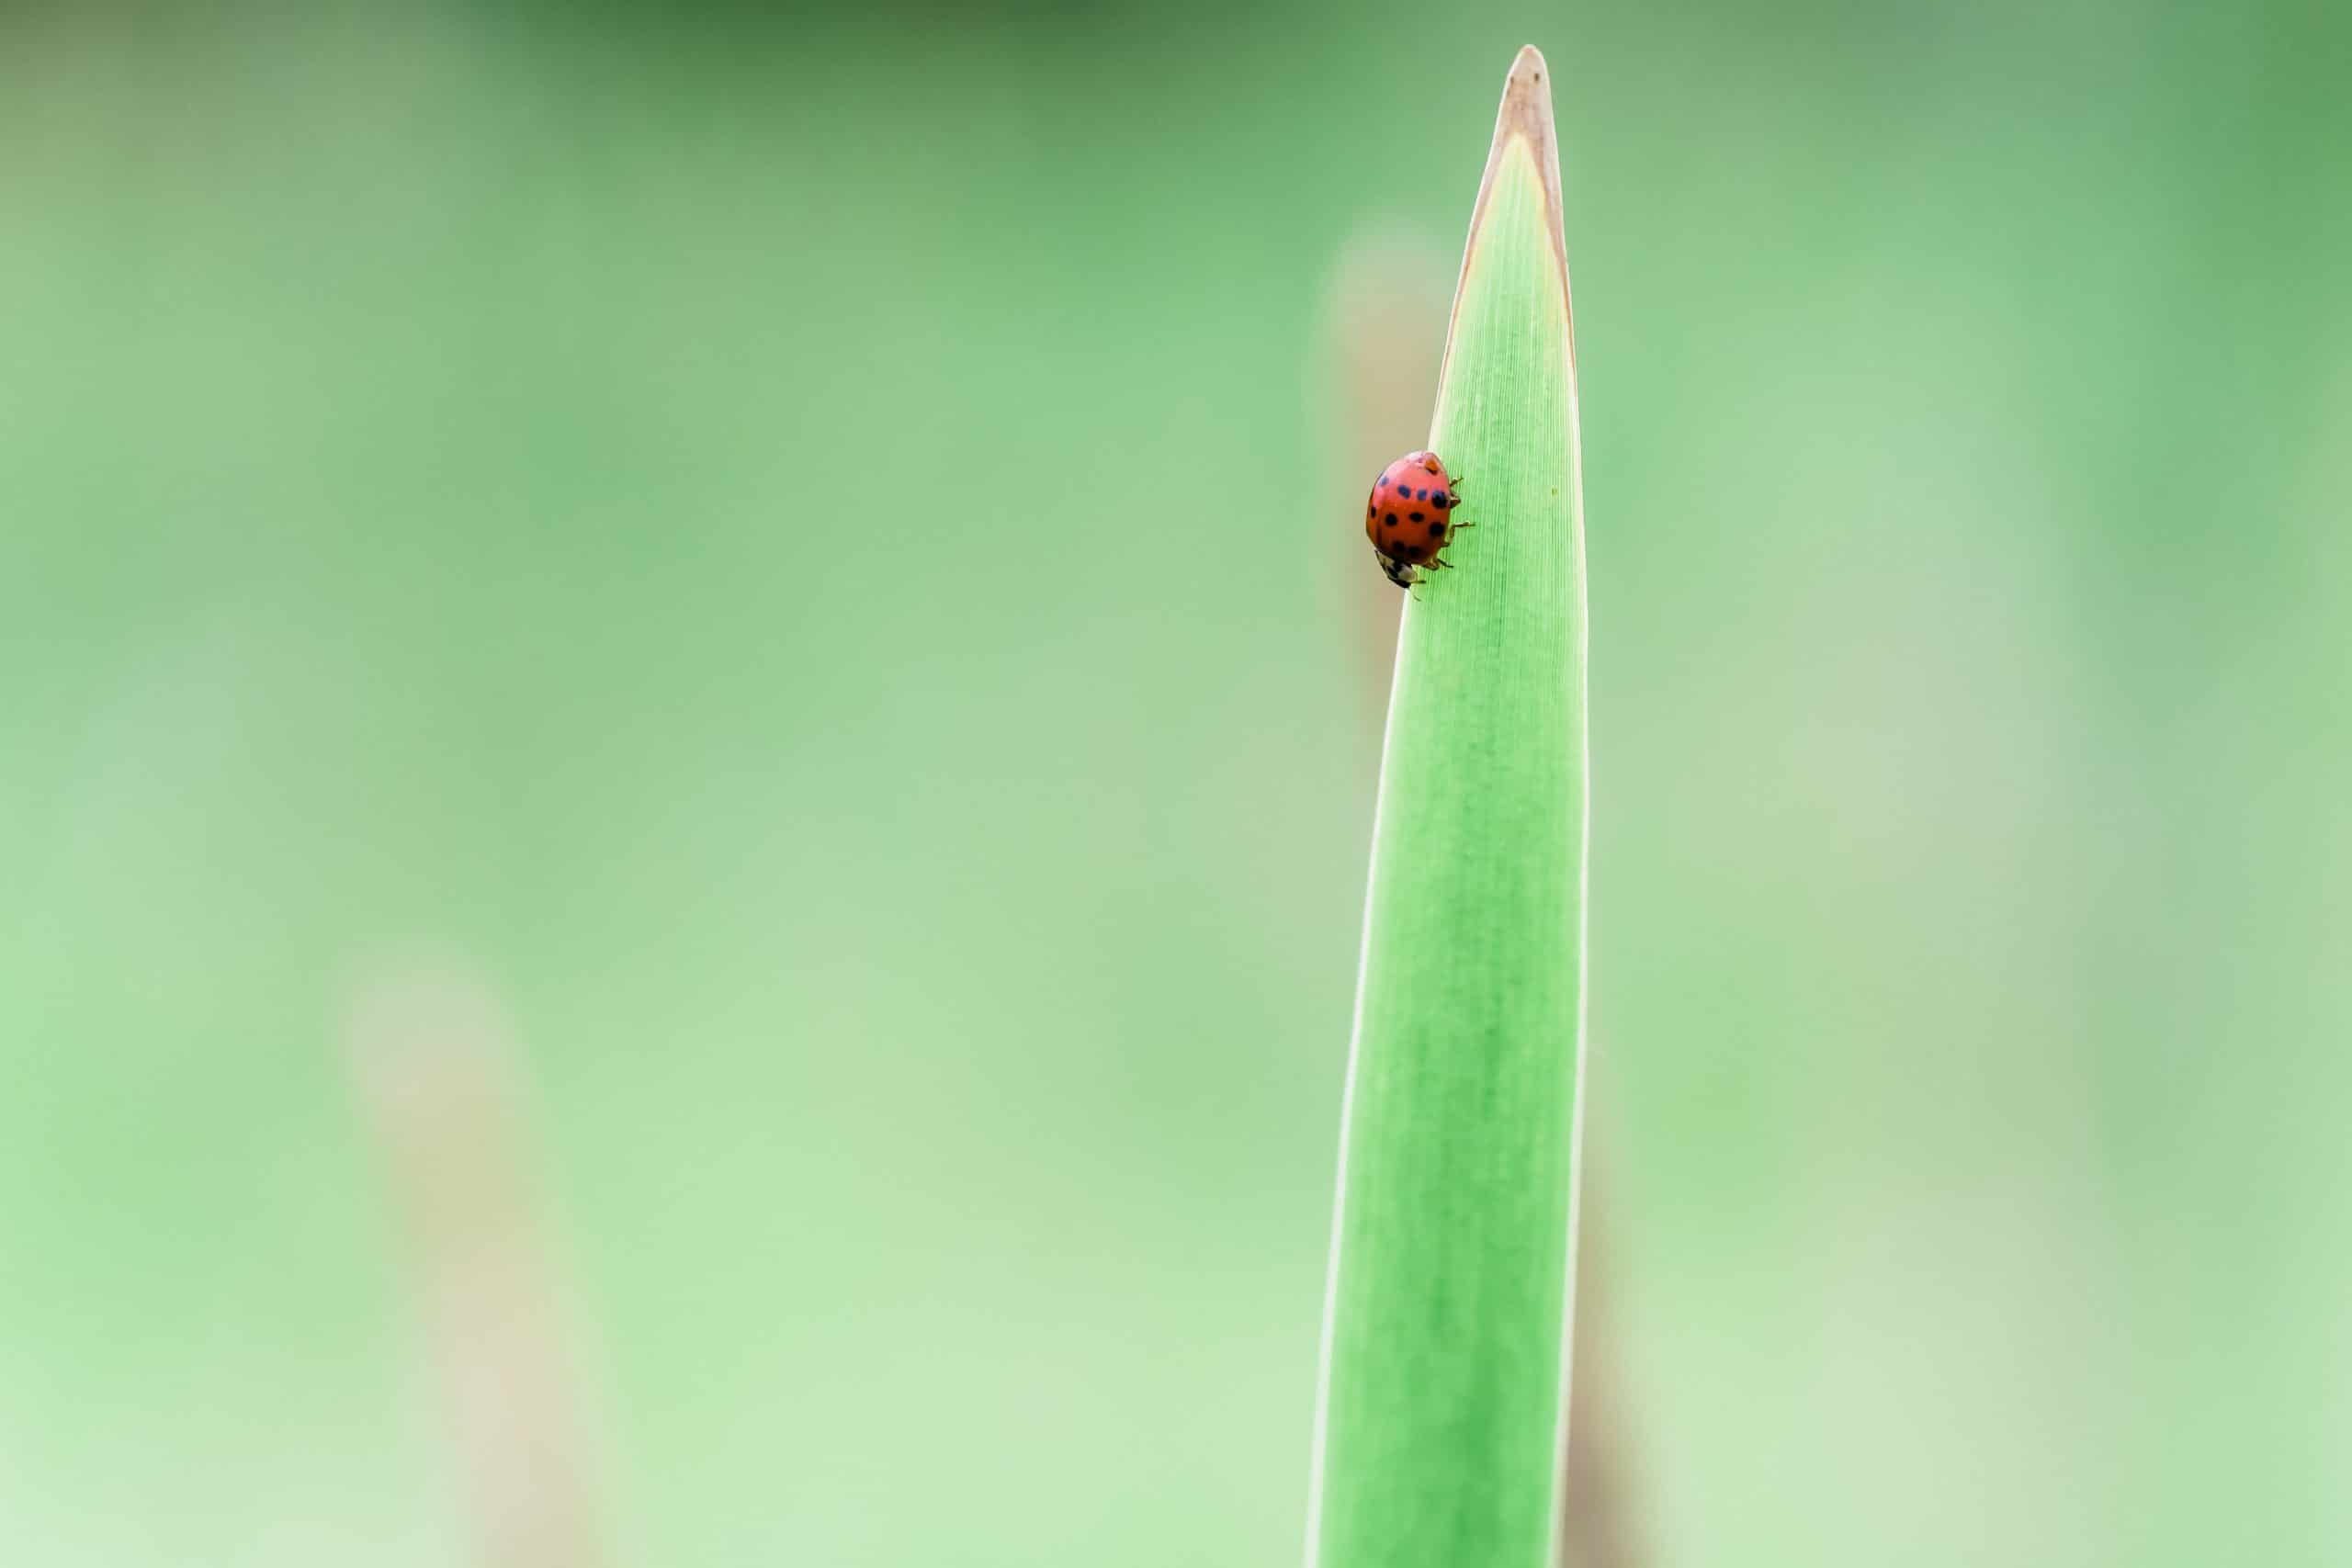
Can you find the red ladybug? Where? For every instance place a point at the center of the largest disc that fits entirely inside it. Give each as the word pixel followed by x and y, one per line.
pixel 1410 516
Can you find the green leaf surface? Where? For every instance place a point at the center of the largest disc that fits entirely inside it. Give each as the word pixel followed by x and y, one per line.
pixel 1442 1423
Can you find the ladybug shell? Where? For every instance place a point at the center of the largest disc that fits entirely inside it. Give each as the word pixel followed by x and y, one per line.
pixel 1411 515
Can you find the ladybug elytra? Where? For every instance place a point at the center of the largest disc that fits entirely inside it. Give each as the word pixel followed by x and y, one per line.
pixel 1410 516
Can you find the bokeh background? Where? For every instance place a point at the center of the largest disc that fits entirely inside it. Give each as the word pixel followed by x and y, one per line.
pixel 687 716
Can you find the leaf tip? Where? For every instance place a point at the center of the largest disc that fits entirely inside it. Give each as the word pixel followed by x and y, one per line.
pixel 1526 109
pixel 1525 118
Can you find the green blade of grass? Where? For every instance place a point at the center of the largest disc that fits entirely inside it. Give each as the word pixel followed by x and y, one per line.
pixel 1443 1417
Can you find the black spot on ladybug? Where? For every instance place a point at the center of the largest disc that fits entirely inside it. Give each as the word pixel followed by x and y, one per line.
pixel 1417 516
pixel 1437 529
pixel 1389 521
pixel 1442 500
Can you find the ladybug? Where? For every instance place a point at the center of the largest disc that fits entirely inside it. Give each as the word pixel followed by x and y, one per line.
pixel 1410 516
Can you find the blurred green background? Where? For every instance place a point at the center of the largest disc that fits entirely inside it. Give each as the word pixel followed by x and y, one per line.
pixel 808 561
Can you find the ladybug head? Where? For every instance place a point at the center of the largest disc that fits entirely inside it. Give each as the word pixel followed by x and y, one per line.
pixel 1401 573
